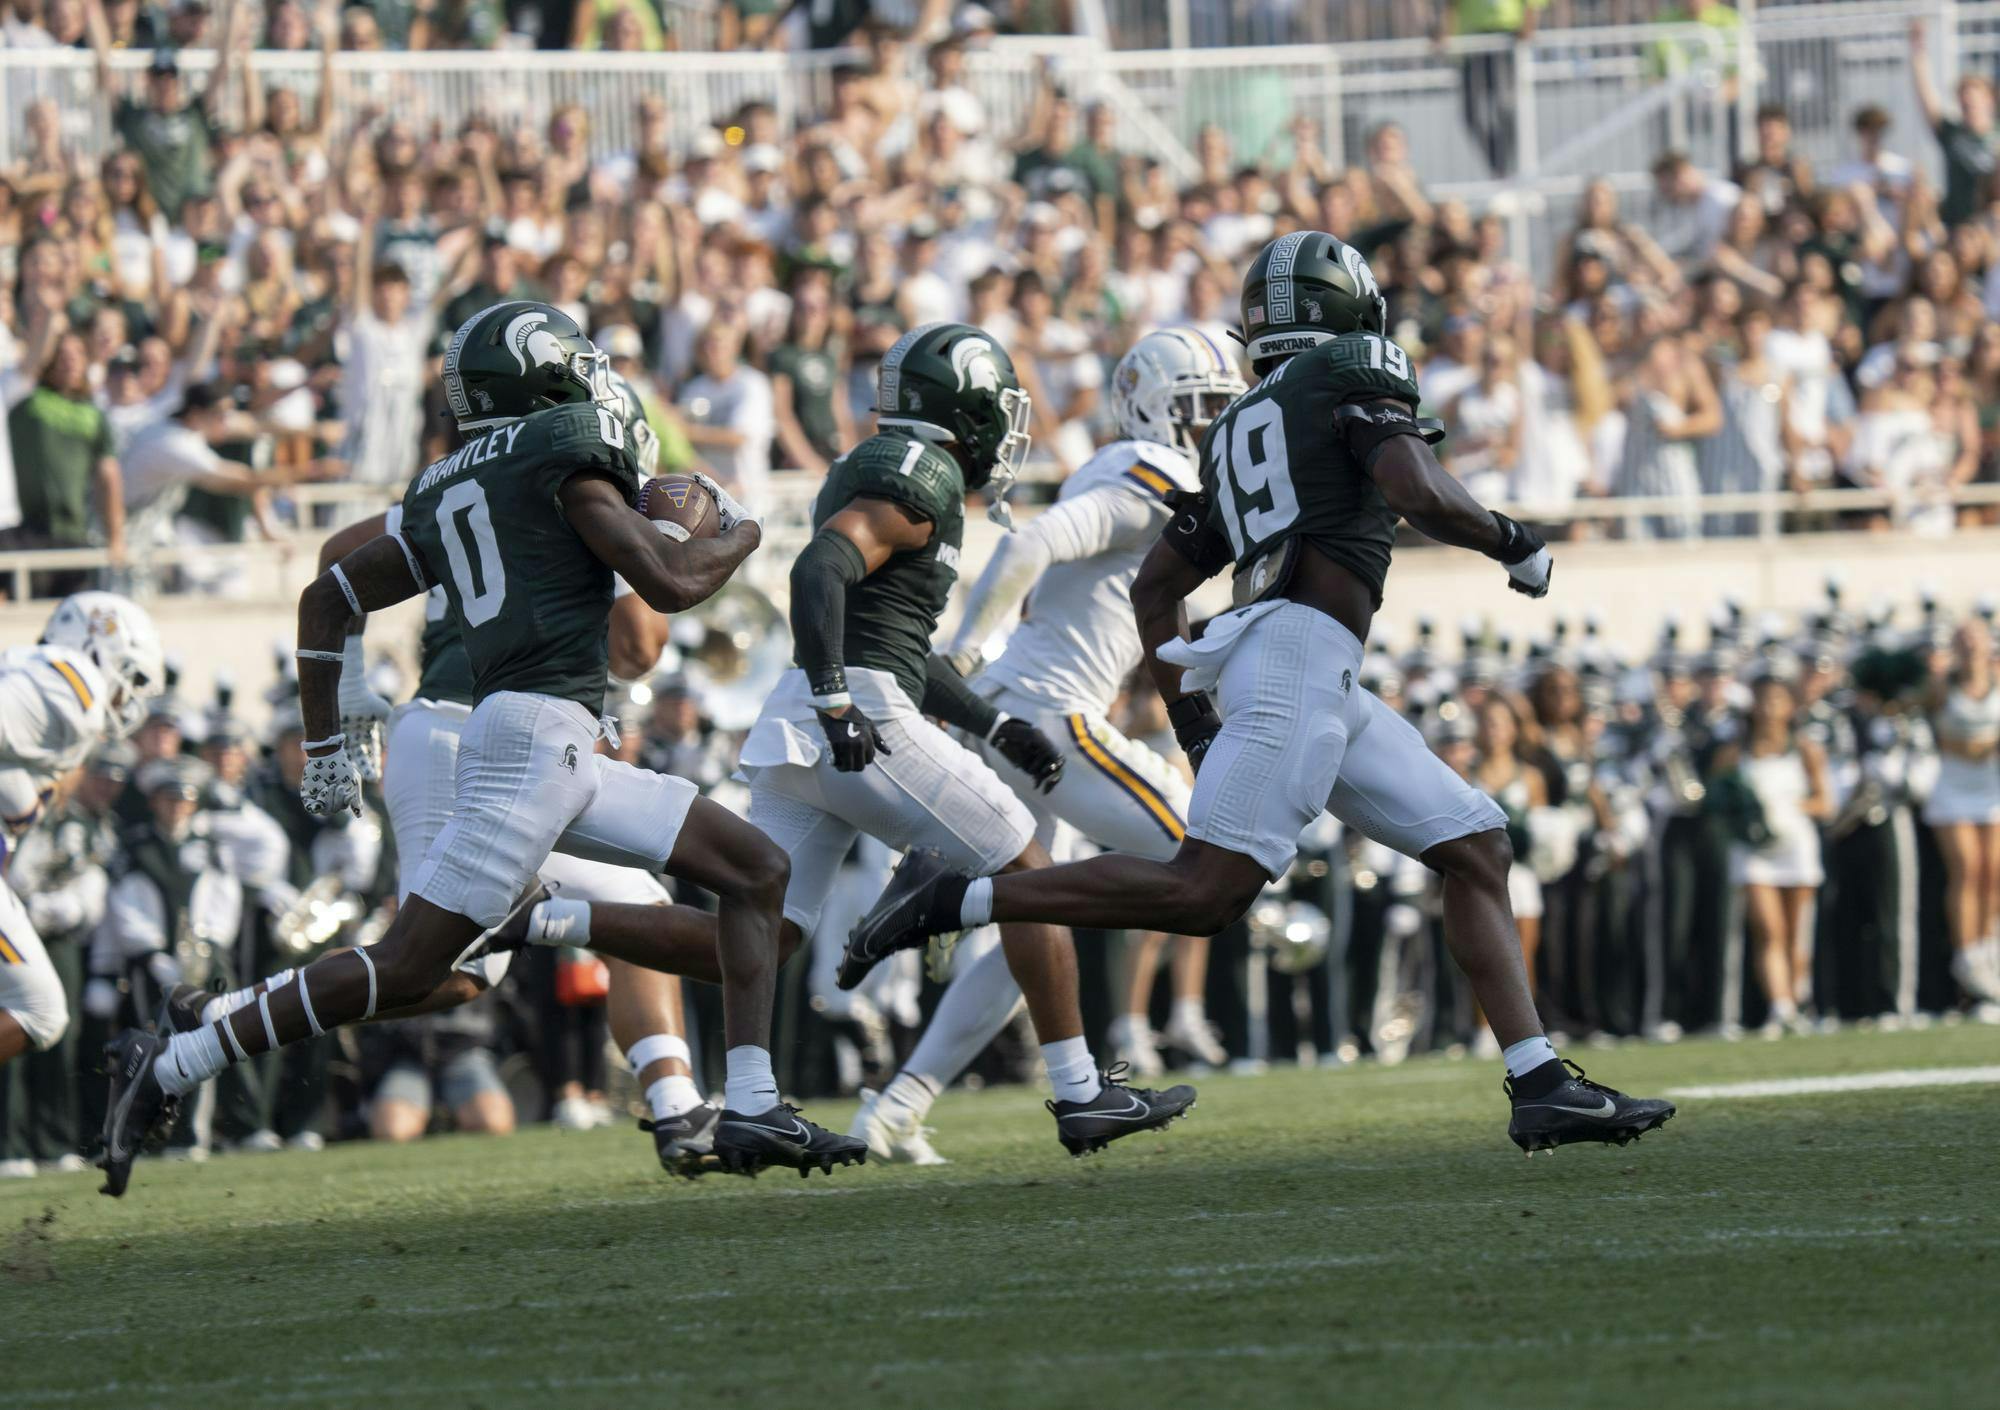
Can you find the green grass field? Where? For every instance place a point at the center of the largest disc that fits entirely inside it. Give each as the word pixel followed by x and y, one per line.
pixel 1363 1238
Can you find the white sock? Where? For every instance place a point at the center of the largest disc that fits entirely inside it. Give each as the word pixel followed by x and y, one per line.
pixel 190 1060
pixel 750 1087
pixel 977 1005
pixel 670 1096
pixel 222 1005
pixel 911 1092
pixel 560 922
pixel 1071 1071
pixel 1189 1013
pixel 1527 1055
pixel 977 907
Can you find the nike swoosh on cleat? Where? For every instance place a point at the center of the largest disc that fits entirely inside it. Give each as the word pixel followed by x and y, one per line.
pixel 1134 1112
pixel 1609 1108
pixel 799 1134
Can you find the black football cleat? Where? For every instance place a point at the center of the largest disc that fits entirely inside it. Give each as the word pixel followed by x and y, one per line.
pixel 1578 1109
pixel 1117 1111
pixel 747 1143
pixel 903 916
pixel 511 933
pixel 686 1143
pixel 138 1108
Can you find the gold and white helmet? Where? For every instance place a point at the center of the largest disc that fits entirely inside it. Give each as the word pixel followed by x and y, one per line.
pixel 117 636
pixel 1170 385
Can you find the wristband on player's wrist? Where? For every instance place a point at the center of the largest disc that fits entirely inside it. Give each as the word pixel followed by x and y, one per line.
pixel 1517 544
pixel 829 689
pixel 1192 712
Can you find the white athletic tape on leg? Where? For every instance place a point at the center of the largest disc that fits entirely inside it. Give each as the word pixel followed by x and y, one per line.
pixel 660 1047
pixel 306 1003
pixel 368 1012
pixel 264 1012
pixel 346 590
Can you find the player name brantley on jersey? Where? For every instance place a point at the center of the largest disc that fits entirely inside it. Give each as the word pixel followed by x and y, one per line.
pixel 475 452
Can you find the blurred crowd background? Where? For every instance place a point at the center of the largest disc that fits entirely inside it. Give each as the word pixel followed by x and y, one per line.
pixel 222 293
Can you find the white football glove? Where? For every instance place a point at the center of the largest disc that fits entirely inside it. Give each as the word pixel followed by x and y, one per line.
pixel 732 513
pixel 330 784
pixel 1531 574
pixel 361 711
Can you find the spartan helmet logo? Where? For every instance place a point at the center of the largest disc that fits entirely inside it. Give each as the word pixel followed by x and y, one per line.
pixel 532 343
pixel 973 362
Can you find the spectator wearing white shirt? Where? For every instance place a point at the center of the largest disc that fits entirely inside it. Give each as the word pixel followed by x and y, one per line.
pixel 173 455
pixel 1694 208
pixel 1068 374
pixel 729 413
pixel 388 338
pixel 1888 174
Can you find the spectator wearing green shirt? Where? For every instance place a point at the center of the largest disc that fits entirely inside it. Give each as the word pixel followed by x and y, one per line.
pixel 809 378
pixel 174 137
pixel 64 457
pixel 1970 141
pixel 1486 78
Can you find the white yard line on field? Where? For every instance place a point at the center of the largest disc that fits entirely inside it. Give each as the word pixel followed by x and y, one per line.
pixel 1847 1082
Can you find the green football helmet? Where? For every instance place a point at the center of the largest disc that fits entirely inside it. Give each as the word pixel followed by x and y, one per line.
pixel 516 358
pixel 638 429
pixel 955 384
pixel 1307 288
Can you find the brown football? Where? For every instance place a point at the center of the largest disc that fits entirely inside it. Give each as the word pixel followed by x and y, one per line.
pixel 680 499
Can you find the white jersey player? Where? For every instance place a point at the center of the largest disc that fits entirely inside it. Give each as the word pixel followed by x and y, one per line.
pixel 1063 667
pixel 88 681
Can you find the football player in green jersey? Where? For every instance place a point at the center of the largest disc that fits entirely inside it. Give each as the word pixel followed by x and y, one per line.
pixel 843 745
pixel 525 526
pixel 1303 480
pixel 628 905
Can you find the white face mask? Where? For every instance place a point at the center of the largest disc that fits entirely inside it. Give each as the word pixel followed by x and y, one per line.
pixel 1018 407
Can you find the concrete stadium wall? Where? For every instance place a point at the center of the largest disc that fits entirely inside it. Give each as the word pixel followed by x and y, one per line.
pixel 1630 586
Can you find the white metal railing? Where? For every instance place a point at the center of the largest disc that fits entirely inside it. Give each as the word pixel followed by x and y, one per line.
pixel 282 566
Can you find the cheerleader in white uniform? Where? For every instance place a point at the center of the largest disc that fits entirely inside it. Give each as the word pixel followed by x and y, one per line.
pixel 1780 878
pixel 1964 807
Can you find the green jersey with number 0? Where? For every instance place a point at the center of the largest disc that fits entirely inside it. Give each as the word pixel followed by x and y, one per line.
pixel 1278 466
pixel 892 613
pixel 530 602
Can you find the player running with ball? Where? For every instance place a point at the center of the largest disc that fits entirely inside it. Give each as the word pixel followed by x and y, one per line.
pixel 525 526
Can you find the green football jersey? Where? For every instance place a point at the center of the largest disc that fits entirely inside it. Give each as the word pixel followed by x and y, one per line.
pixel 1278 468
pixel 529 602
pixel 892 613
pixel 443 671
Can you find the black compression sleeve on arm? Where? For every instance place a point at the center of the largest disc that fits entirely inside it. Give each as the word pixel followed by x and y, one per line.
pixel 949 698
pixel 821 576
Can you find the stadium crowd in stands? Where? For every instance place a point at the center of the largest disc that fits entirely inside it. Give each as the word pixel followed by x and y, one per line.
pixel 241 294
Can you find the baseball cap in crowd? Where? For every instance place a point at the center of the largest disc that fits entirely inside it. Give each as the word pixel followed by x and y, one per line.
pixel 762 156
pixel 183 775
pixel 973 19
pixel 706 145
pixel 164 62
pixel 115 760
pixel 621 340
